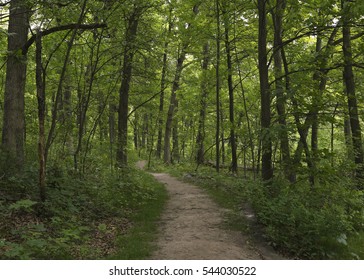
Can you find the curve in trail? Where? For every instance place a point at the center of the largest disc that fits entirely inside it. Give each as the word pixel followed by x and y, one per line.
pixel 191 228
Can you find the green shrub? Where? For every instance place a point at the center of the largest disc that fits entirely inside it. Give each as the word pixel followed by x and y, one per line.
pixel 82 217
pixel 309 222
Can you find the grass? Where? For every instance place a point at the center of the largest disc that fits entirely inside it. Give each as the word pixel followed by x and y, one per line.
pixel 356 245
pixel 137 243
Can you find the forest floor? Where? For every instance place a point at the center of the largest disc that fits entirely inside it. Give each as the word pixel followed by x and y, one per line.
pixel 192 228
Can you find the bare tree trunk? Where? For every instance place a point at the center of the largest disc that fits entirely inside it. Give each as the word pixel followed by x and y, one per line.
pixel 130 36
pixel 145 130
pixel 136 131
pixel 351 93
pixel 13 123
pixel 41 117
pixel 200 158
pixel 332 136
pixel 112 111
pixel 347 135
pixel 222 135
pixel 217 136
pixel 66 119
pixel 172 106
pixel 234 159
pixel 280 96
pixel 163 86
pixel 267 170
pixel 175 149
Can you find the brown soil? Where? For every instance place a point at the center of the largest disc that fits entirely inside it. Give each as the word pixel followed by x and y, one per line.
pixel 192 228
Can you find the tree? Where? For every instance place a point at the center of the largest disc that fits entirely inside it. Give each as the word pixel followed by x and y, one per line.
pixel 200 157
pixel 218 34
pixel 234 160
pixel 129 51
pixel 173 104
pixel 350 90
pixel 163 85
pixel 267 170
pixel 277 16
pixel 16 68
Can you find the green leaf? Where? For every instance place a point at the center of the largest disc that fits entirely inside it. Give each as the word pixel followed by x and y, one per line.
pixel 25 204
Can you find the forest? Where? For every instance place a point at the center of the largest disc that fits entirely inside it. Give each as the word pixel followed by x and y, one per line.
pixel 257 102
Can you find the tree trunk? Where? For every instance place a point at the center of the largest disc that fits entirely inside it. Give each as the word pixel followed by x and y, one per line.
pixel 280 96
pixel 130 36
pixel 234 159
pixel 347 135
pixel 267 170
pixel 112 111
pixel 16 67
pixel 175 149
pixel 217 136
pixel 145 130
pixel 136 131
pixel 351 92
pixel 172 106
pixel 41 117
pixel 200 158
pixel 163 86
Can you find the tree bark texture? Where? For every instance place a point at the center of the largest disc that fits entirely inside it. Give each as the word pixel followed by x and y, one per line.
pixel 217 135
pixel 163 86
pixel 351 92
pixel 41 117
pixel 172 106
pixel 16 67
pixel 267 170
pixel 130 37
pixel 234 159
pixel 200 158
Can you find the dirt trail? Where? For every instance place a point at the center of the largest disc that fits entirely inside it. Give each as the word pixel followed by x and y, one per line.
pixel 191 228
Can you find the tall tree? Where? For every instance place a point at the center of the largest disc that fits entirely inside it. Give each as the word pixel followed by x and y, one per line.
pixel 277 16
pixel 163 85
pixel 218 34
pixel 200 158
pixel 41 116
pixel 173 103
pixel 16 67
pixel 265 95
pixel 234 159
pixel 129 51
pixel 351 90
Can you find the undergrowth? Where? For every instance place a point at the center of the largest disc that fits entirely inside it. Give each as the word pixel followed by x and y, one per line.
pixel 93 217
pixel 320 222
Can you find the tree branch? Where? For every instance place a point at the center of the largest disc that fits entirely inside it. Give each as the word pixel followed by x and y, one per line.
pixel 145 102
pixel 31 40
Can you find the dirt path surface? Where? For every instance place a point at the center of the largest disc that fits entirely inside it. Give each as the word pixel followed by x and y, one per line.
pixel 191 228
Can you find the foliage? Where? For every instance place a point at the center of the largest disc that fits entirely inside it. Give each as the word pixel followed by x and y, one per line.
pixel 82 219
pixel 310 222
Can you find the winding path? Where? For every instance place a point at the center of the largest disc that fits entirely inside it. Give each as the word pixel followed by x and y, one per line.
pixel 191 228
